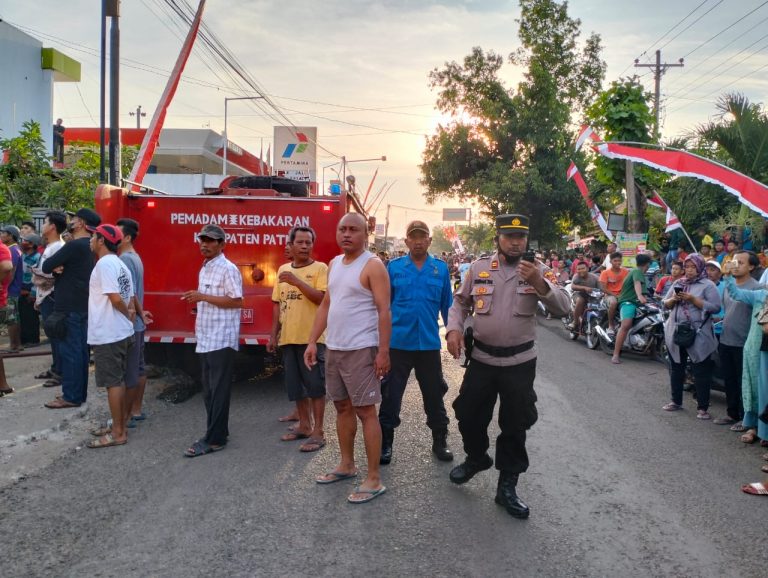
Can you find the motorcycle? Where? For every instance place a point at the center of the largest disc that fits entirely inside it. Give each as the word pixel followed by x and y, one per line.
pixel 589 318
pixel 646 336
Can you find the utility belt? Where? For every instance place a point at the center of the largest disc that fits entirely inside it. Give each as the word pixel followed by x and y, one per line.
pixel 494 351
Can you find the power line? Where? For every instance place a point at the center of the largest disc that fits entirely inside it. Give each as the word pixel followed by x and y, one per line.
pixel 660 38
pixel 676 36
pixel 725 29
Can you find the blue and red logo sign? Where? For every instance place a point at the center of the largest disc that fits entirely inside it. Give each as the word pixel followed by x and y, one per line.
pixel 298 147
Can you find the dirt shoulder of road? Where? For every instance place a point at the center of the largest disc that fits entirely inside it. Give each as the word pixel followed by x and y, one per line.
pixel 32 436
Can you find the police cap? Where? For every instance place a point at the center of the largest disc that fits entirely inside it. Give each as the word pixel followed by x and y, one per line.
pixel 506 224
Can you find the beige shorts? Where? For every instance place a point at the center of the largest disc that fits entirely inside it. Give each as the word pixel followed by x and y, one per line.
pixel 611 300
pixel 351 375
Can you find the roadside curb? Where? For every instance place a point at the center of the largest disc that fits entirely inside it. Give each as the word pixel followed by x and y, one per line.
pixel 81 412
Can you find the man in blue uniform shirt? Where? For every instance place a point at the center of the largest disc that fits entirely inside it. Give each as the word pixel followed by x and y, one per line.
pixel 420 291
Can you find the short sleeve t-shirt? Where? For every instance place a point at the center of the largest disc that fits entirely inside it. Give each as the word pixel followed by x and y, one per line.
pixel 105 323
pixel 628 294
pixel 132 260
pixel 591 281
pixel 14 289
pixel 5 255
pixel 614 281
pixel 297 313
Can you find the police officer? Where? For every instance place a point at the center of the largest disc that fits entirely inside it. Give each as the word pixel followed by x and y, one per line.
pixel 501 293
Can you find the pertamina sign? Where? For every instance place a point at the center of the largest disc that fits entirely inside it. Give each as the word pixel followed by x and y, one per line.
pixel 296 152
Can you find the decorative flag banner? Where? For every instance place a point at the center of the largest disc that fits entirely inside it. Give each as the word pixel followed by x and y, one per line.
pixel 586 133
pixel 597 216
pixel 151 137
pixel 749 191
pixel 672 221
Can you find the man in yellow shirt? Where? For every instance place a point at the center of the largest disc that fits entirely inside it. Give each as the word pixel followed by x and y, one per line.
pixel 300 288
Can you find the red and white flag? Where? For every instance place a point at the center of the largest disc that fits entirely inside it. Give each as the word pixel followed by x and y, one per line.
pixel 586 133
pixel 594 211
pixel 672 221
pixel 750 192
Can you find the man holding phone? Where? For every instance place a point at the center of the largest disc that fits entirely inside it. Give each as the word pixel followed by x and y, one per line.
pixel 501 292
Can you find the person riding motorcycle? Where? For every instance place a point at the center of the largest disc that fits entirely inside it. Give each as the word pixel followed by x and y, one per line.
pixel 581 285
pixel 611 282
pixel 632 292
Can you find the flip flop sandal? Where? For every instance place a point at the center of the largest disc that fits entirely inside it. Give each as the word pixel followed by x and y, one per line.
pixel 200 448
pixel 312 445
pixel 101 431
pixel 141 417
pixel 756 489
pixel 51 383
pixel 8 391
pixel 738 427
pixel 765 457
pixel 293 436
pixel 369 495
pixel 671 406
pixel 750 437
pixel 287 418
pixel 60 403
pixel 106 442
pixel 764 468
pixel 333 477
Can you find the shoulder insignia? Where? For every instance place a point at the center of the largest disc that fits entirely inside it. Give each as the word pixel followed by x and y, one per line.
pixel 483 274
pixel 550 276
pixel 494 265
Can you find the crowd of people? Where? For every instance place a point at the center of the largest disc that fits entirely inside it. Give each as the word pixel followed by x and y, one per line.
pixel 353 331
pixel 716 304
pixel 88 293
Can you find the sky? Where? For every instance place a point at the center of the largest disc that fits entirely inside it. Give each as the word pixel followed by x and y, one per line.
pixel 358 69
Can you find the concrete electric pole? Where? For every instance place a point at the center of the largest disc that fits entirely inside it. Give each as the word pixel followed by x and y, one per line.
pixel 138 114
pixel 635 202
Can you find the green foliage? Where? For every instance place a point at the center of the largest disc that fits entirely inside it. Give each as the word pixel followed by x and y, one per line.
pixel 508 148
pixel 439 242
pixel 478 238
pixel 27 181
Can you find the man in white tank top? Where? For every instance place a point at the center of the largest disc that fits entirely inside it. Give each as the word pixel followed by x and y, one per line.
pixel 355 311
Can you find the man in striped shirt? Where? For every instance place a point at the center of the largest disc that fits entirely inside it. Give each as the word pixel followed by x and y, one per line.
pixel 219 297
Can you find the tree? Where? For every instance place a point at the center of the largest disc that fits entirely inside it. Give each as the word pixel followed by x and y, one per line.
pixel 508 148
pixel 622 113
pixel 478 238
pixel 741 132
pixel 27 181
pixel 439 241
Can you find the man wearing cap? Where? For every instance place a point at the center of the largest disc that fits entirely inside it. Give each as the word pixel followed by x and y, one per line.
pixel 110 328
pixel 420 291
pixel 28 316
pixel 218 300
pixel 72 266
pixel 501 293
pixel 715 274
pixel 11 236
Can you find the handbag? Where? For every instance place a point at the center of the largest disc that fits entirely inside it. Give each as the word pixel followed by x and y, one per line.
pixel 685 334
pixel 55 325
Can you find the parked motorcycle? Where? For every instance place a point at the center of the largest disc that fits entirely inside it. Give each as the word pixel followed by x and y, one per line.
pixel 589 319
pixel 646 336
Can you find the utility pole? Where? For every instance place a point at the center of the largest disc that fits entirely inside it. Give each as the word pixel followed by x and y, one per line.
pixel 659 69
pixel 635 201
pixel 138 114
pixel 113 11
pixel 386 228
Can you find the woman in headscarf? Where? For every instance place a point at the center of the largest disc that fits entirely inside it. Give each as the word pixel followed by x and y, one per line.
pixel 693 299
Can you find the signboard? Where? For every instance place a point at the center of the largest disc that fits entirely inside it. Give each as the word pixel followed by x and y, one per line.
pixel 451 215
pixel 629 245
pixel 296 152
pixel 380 228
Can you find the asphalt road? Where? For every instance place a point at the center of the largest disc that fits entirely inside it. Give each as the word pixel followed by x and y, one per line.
pixel 616 487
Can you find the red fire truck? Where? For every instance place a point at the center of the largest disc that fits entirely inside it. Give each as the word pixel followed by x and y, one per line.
pixel 257 222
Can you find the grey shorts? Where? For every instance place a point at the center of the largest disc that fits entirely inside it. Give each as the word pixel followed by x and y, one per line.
pixel 111 360
pixel 135 368
pixel 300 381
pixel 351 375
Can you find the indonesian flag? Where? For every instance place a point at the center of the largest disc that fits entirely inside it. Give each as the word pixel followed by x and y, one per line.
pixel 586 133
pixel 750 192
pixel 594 211
pixel 672 221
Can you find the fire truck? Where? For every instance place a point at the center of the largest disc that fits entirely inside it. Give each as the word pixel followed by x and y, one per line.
pixel 256 221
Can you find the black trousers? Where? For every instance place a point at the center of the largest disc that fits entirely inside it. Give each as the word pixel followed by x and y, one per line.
pixel 517 412
pixel 29 319
pixel 217 388
pixel 429 374
pixel 731 359
pixel 702 379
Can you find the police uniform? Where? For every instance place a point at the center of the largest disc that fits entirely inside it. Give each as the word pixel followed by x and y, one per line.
pixel 502 362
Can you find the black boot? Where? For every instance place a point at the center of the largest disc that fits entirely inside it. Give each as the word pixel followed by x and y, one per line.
pixel 466 471
pixel 506 495
pixel 387 437
pixel 440 446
